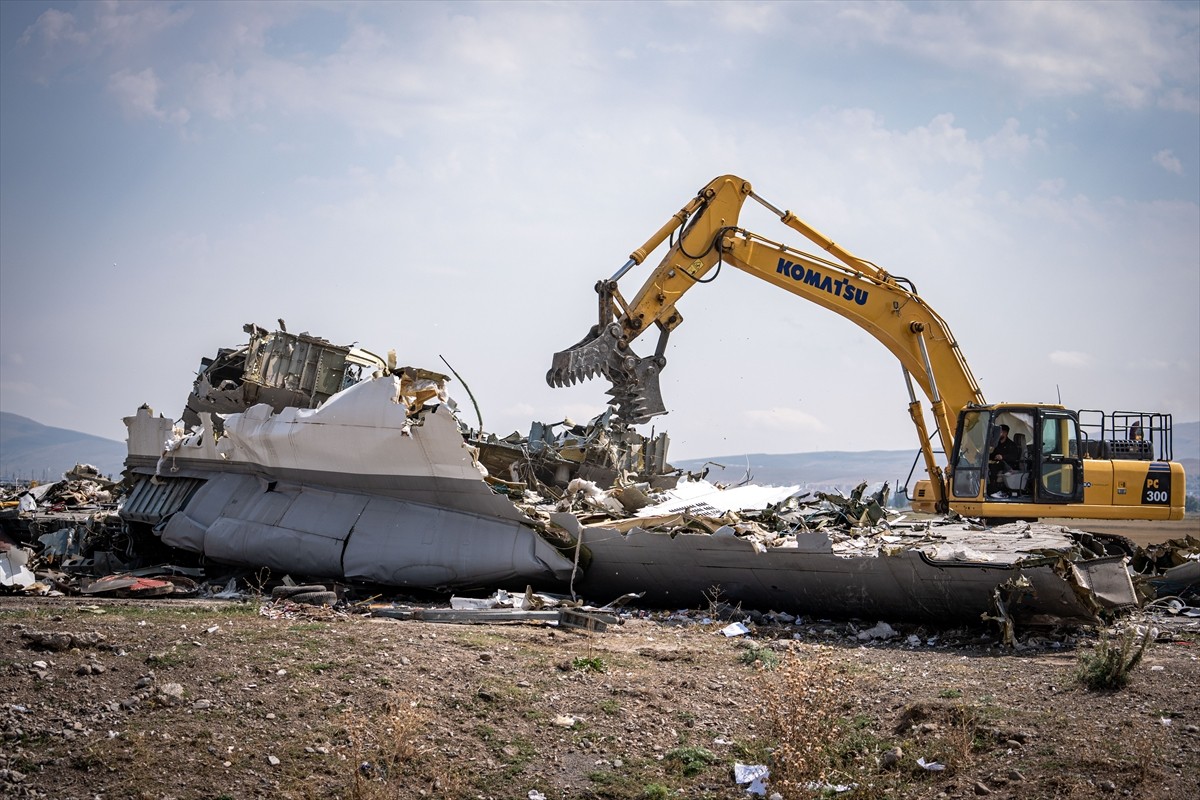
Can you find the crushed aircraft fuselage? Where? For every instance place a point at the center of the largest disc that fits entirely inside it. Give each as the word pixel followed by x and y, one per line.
pixel 380 482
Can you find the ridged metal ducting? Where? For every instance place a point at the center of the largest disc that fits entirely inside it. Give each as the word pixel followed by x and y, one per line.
pixel 152 501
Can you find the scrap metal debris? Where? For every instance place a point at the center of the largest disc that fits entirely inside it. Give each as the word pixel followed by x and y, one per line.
pixel 310 459
pixel 280 369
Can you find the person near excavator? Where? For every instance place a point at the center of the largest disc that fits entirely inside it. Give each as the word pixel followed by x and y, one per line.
pixel 1005 456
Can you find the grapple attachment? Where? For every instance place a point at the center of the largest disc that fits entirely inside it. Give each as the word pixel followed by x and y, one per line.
pixel 635 389
pixel 635 392
pixel 598 353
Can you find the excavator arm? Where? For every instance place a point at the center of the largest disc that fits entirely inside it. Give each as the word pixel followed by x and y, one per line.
pixel 606 349
pixel 886 306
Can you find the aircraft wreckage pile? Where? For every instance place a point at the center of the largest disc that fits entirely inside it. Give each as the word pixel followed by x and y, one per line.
pixel 328 462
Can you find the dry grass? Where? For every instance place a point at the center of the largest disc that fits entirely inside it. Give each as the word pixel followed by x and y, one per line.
pixel 389 754
pixel 802 709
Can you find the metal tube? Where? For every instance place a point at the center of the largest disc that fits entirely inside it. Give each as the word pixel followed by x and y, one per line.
pixel 772 208
pixel 912 396
pixel 937 398
pixel 630 264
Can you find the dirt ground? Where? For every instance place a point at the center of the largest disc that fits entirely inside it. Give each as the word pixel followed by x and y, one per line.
pixel 192 699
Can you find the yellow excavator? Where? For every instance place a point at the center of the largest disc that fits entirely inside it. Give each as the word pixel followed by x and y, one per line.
pixel 1007 460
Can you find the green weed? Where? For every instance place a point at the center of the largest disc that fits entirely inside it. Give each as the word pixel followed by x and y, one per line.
pixel 1109 666
pixel 588 664
pixel 690 760
pixel 759 658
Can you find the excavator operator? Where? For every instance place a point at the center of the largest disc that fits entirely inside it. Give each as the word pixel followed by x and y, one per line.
pixel 1005 456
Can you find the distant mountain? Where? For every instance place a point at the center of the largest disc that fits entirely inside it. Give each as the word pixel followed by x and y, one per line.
pixel 811 470
pixel 30 449
pixel 1185 440
pixel 1185 446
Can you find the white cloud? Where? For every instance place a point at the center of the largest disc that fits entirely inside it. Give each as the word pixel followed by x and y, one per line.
pixel 1070 358
pixel 137 93
pixel 1010 143
pixel 121 25
pixel 1176 99
pixel 1167 160
pixel 1130 53
pixel 52 27
pixel 1052 186
pixel 107 32
pixel 791 420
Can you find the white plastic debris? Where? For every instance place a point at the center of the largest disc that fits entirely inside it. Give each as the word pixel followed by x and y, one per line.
pixel 703 499
pixel 13 571
pixel 825 788
pixel 534 794
pixel 880 631
pixel 473 602
pixel 755 775
pixel 735 629
pixel 595 496
pixel 230 592
pixel 932 766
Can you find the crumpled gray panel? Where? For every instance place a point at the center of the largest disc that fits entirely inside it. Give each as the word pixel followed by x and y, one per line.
pixel 409 544
pixel 243 519
pixel 237 541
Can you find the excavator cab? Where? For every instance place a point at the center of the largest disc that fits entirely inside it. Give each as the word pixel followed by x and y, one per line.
pixel 1017 454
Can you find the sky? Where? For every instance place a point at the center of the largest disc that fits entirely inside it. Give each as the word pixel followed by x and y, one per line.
pixel 449 180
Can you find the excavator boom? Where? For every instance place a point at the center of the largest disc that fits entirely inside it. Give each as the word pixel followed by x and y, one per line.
pixel 709 236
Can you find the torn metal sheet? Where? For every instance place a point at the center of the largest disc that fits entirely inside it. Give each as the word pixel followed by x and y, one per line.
pixel 604 451
pixel 13 572
pixel 366 440
pixel 279 369
pixel 129 586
